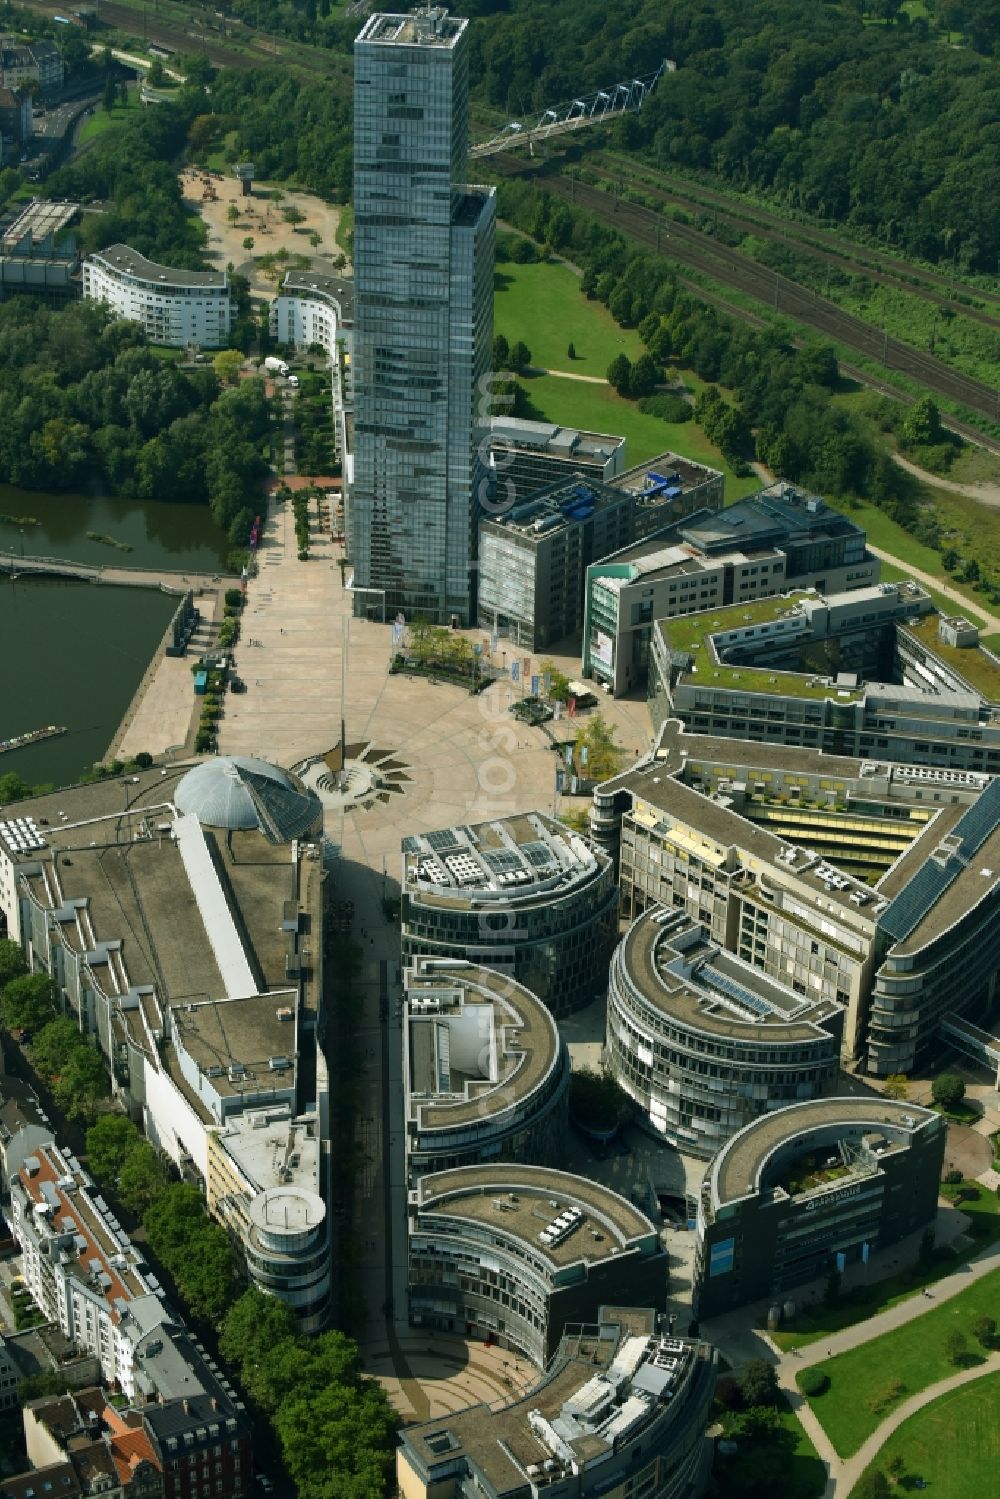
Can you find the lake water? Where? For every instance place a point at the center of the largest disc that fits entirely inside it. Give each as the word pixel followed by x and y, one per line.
pixel 73 653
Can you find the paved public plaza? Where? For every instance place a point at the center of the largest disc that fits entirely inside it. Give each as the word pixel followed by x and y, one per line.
pixel 465 759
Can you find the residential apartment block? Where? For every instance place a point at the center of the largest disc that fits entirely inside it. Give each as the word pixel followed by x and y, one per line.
pixel 312 309
pixel 24 62
pixel 175 1426
pixel 174 308
pixel 78 1264
pixel 83 1433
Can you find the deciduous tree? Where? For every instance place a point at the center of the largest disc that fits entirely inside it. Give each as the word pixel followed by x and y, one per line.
pixel 948 1090
pixel 27 1002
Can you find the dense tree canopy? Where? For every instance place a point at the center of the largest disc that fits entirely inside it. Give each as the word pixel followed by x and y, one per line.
pixel 12 961
pixel 289 128
pixel 879 127
pixel 27 1000
pixel 783 412
pixel 336 1428
pixel 195 1252
pixel 82 397
pixel 133 172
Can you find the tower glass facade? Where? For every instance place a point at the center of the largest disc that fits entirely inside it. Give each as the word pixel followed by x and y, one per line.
pixel 423 250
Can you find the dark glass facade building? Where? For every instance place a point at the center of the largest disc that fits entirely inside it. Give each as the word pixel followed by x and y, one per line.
pixel 423 251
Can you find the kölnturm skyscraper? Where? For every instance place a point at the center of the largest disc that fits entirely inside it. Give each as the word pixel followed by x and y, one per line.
pixel 423 255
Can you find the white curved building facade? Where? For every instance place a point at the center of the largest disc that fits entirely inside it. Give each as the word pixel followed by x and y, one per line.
pixel 312 309
pixel 173 307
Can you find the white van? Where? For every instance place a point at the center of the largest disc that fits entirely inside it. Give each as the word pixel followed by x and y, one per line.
pixel 585 697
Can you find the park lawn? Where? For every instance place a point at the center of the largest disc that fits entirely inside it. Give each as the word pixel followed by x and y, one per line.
pixel 914 1354
pixel 541 303
pixel 953 1444
pixel 862 1302
pixel 100 120
pixel 596 408
pixel 345 229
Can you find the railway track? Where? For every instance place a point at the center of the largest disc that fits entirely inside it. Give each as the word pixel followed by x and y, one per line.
pixel 703 253
pixel 850 260
pixel 256 48
pixel 852 371
pixel 850 254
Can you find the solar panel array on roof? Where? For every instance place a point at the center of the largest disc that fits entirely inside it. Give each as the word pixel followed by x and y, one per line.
pixel 21 835
pixel 500 860
pixel 975 826
pixel 538 854
pixel 904 914
pixel 443 841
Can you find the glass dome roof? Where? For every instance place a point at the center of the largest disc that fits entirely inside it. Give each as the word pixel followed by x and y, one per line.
pixel 237 792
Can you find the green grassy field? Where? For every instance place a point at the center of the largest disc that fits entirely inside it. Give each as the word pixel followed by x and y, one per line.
pixel 913 1354
pixel 867 1301
pixel 542 304
pixel 972 528
pixel 345 228
pixel 596 408
pixel 953 1445
pixel 99 121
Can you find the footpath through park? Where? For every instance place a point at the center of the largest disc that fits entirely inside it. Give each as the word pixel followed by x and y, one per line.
pixel 844 1472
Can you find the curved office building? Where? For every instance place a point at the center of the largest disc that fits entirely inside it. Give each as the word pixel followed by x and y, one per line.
pixel 513 1253
pixel 703 1042
pixel 813 1188
pixel 485 1073
pixel 288 1251
pixel 619 1399
pixel 523 895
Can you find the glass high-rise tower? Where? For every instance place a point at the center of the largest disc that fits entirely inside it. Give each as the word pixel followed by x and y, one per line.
pixel 423 330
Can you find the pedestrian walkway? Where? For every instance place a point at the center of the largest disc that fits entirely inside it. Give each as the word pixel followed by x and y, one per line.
pixel 896 1316
pixel 929 581
pixel 537 369
pixel 844 1472
pixel 852 1468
